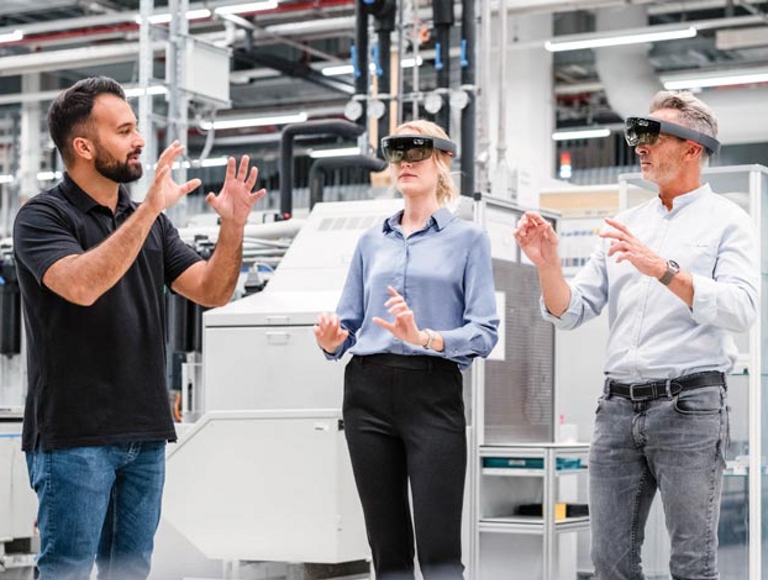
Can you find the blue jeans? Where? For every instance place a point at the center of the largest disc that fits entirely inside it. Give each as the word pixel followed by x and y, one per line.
pixel 676 446
pixel 99 503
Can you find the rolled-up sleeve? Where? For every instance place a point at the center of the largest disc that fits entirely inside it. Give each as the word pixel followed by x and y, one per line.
pixel 479 334
pixel 729 298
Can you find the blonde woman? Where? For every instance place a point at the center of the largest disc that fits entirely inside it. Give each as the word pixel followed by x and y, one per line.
pixel 417 307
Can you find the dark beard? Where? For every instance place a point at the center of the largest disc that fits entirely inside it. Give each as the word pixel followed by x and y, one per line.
pixel 118 172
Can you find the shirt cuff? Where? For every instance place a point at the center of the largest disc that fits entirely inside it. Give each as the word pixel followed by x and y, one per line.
pixel 704 308
pixel 452 342
pixel 567 317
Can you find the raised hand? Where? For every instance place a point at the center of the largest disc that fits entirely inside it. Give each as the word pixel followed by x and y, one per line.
pixel 404 326
pixel 163 192
pixel 235 200
pixel 329 333
pixel 537 239
pixel 627 247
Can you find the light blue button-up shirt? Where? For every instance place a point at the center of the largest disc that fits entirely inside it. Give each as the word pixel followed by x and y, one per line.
pixel 653 334
pixel 443 272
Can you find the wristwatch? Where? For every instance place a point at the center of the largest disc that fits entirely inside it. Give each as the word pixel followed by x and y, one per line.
pixel 430 337
pixel 672 269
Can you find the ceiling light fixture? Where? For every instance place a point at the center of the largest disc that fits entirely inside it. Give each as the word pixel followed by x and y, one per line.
pixel 718 79
pixel 336 70
pixel 338 152
pixel 248 7
pixel 581 41
pixel 152 90
pixel 7 178
pixel 580 134
pixel 49 175
pixel 14 36
pixel 254 121
pixel 348 69
pixel 166 18
pixel 213 162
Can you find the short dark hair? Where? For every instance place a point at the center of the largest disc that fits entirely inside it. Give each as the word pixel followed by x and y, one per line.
pixel 71 110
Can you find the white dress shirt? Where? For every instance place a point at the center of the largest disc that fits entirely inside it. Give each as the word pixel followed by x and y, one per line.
pixel 653 333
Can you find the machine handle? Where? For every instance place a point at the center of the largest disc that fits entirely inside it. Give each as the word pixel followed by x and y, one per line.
pixel 278 338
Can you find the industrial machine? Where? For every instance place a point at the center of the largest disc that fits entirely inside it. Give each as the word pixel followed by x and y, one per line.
pixel 268 457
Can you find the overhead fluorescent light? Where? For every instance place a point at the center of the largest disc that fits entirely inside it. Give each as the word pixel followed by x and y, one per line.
pixel 580 134
pixel 7 178
pixel 248 7
pixel 166 18
pixel 49 175
pixel 254 121
pixel 152 90
pixel 214 162
pixel 338 152
pixel 716 79
pixel 14 36
pixel 336 70
pixel 598 41
pixel 348 69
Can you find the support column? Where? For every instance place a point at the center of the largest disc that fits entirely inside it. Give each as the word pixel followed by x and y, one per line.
pixel 528 99
pixel 29 160
pixel 146 128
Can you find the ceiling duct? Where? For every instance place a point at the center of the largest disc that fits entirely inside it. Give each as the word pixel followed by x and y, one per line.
pixel 630 82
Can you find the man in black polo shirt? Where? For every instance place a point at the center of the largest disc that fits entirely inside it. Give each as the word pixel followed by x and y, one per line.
pixel 93 267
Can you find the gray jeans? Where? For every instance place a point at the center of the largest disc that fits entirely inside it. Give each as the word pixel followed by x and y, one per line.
pixel 674 445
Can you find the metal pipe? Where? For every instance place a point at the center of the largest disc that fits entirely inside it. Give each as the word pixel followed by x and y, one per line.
pixel 468 34
pixel 384 25
pixel 338 128
pixel 501 143
pixel 483 96
pixel 444 19
pixel 319 167
pixel 360 58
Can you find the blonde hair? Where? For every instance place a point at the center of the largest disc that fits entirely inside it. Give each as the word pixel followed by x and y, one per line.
pixel 446 188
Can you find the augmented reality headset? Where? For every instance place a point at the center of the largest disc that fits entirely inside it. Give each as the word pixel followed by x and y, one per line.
pixel 646 131
pixel 412 148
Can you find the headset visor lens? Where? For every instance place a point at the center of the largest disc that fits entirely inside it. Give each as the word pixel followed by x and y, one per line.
pixel 397 148
pixel 640 131
pixel 646 131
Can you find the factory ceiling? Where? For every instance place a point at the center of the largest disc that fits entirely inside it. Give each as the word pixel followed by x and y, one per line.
pixel 279 53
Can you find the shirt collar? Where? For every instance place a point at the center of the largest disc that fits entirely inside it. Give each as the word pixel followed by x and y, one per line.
pixel 684 200
pixel 85 203
pixel 440 219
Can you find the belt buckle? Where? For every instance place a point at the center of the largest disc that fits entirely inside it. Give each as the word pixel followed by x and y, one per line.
pixel 634 398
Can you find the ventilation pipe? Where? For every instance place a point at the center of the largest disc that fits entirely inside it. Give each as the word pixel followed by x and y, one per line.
pixel 337 128
pixel 444 19
pixel 319 168
pixel 627 75
pixel 468 84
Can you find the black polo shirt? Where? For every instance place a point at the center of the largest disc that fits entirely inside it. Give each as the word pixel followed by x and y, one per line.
pixel 96 374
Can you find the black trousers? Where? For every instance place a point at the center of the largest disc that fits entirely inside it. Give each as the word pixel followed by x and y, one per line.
pixel 404 421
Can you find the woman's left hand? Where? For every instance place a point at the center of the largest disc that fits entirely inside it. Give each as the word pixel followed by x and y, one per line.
pixel 404 326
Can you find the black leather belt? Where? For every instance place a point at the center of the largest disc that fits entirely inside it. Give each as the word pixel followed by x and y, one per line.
pixel 414 363
pixel 671 387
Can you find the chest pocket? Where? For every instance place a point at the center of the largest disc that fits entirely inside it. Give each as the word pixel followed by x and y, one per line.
pixel 697 257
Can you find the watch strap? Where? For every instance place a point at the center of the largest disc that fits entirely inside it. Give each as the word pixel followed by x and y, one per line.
pixel 672 269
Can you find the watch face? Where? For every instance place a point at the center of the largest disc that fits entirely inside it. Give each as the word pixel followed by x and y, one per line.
pixel 673 265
